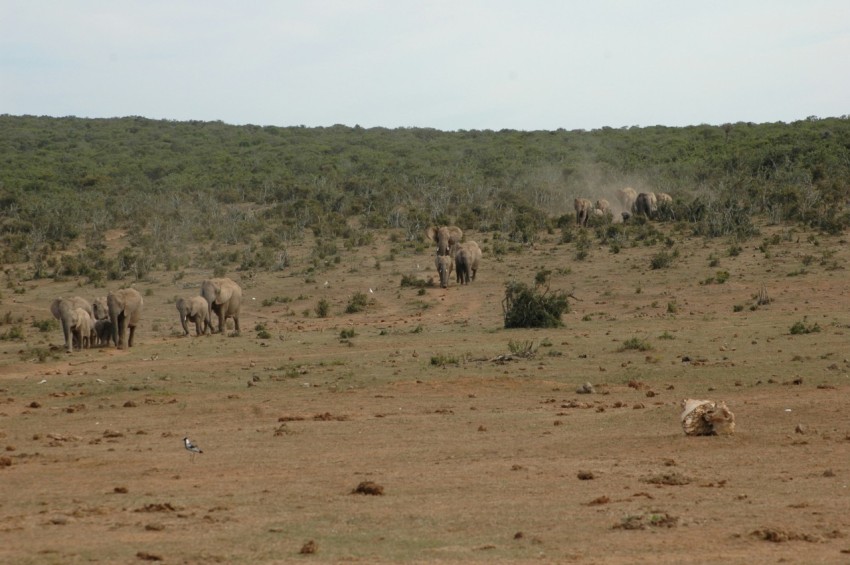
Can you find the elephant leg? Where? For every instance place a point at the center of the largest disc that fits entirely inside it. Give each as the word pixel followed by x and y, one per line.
pixel 122 331
pixel 131 333
pixel 236 323
pixel 66 329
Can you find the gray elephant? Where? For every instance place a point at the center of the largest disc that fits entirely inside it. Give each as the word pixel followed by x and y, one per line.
pixel 603 207
pixel 584 208
pixel 225 299
pixel 194 309
pixel 627 197
pixel 467 258
pixel 103 331
pixel 646 204
pixel 446 237
pixel 99 308
pixel 64 310
pixel 444 264
pixel 125 311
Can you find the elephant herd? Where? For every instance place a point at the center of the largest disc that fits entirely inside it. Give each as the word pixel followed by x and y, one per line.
pixel 114 317
pixel 632 203
pixel 463 258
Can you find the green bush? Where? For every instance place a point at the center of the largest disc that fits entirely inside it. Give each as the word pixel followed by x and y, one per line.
pixel 527 307
pixel 801 328
pixel 636 344
pixel 323 308
pixel 358 303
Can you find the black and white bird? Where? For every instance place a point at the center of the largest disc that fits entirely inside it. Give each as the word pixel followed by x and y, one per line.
pixel 191 447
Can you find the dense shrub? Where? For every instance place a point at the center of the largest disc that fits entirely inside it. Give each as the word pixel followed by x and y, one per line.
pixel 531 307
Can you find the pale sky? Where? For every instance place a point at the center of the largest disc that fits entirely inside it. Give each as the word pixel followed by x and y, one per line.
pixel 444 64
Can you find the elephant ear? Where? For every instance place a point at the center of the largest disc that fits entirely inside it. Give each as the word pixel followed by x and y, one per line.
pixel 223 294
pixel 54 308
pixel 455 234
pixel 431 233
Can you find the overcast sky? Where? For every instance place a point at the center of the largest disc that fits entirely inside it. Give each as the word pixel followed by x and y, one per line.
pixel 453 64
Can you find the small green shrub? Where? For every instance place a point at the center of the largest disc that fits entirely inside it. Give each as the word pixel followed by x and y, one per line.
pixel 410 281
pixel 47 325
pixel 801 328
pixel 441 360
pixel 347 333
pixel 526 307
pixel 16 332
pixel 323 308
pixel 636 344
pixel 358 303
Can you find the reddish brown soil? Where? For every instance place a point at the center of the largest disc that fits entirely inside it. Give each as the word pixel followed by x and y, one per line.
pixel 478 458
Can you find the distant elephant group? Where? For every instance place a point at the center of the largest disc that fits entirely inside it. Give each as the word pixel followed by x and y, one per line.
pixel 632 203
pixel 464 258
pixel 114 317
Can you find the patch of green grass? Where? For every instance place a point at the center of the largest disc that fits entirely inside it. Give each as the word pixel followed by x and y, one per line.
pixel 801 328
pixel 357 303
pixel 636 344
pixel 442 360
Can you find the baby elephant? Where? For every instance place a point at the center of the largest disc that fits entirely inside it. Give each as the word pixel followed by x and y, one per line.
pixel 466 262
pixel 194 309
pixel 444 265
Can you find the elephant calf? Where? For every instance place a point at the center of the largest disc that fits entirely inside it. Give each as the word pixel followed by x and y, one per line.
pixel 444 265
pixel 194 309
pixel 103 331
pixel 467 258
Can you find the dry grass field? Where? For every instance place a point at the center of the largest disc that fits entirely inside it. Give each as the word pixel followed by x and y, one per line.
pixel 466 452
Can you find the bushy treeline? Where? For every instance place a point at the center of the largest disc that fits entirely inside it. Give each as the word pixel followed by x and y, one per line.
pixel 171 184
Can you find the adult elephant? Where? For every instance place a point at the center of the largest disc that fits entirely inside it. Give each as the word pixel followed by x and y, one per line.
pixel 194 309
pixel 446 237
pixel 627 197
pixel 225 300
pixel 65 310
pixel 445 264
pixel 125 311
pixel 584 208
pixel 646 204
pixel 467 258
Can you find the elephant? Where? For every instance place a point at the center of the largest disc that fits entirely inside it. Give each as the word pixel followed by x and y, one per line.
pixel 99 308
pixel 627 197
pixel 84 328
pixel 467 258
pixel 602 207
pixel 103 331
pixel 664 198
pixel 64 310
pixel 125 311
pixel 646 204
pixel 584 208
pixel 194 309
pixel 225 299
pixel 446 237
pixel 444 264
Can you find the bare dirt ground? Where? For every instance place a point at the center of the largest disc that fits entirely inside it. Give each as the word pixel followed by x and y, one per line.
pixel 471 457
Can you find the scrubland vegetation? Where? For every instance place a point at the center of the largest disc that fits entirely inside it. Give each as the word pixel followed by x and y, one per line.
pixel 185 189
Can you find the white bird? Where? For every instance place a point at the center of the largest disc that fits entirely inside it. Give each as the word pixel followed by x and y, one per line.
pixel 191 447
